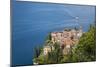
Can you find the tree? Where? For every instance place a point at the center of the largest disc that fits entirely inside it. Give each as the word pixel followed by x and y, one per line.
pixel 37 51
pixel 55 55
pixel 86 48
pixel 48 38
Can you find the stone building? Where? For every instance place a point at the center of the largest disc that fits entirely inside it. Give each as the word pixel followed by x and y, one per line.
pixel 66 39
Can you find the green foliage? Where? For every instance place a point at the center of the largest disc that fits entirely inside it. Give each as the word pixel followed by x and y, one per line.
pixel 68 58
pixel 48 36
pixel 86 49
pixel 55 55
pixel 48 39
pixel 37 51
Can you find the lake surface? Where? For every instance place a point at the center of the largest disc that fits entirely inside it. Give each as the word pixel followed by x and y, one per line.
pixel 31 23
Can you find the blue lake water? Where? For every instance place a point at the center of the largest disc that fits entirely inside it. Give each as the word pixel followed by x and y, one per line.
pixel 31 23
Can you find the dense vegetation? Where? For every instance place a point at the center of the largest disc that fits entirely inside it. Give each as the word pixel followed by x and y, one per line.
pixel 84 51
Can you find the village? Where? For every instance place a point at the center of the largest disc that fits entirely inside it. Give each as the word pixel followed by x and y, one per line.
pixel 66 45
pixel 66 39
